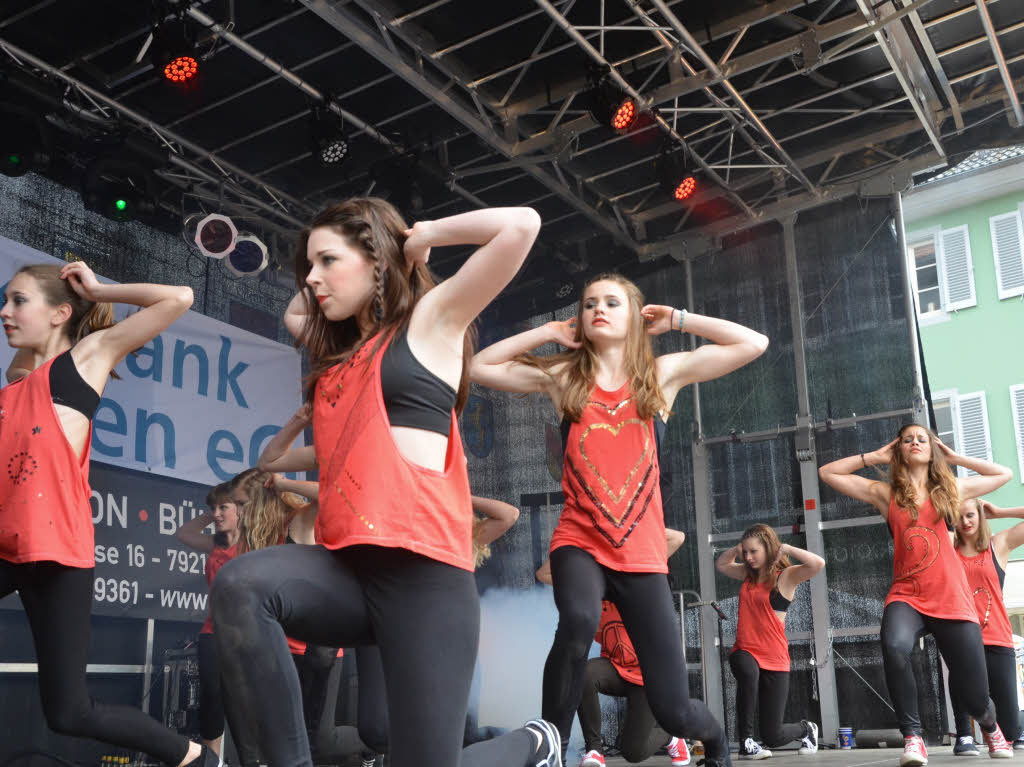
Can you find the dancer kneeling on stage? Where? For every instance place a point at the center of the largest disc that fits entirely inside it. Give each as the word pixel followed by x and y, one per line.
pixel 760 657
pixel 389 353
pixel 921 503
pixel 984 557
pixel 60 319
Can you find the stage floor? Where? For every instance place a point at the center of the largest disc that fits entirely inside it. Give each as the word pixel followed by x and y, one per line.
pixel 938 756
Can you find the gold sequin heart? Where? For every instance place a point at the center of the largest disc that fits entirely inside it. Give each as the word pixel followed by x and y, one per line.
pixel 988 605
pixel 616 496
pixel 930 554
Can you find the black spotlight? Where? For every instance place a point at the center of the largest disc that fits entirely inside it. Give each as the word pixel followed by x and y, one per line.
pixel 330 145
pixel 674 176
pixel 216 235
pixel 121 190
pixel 25 140
pixel 607 103
pixel 249 257
pixel 173 54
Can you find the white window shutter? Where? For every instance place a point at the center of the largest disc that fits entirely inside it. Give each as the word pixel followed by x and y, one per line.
pixel 957 269
pixel 1017 408
pixel 973 429
pixel 1008 251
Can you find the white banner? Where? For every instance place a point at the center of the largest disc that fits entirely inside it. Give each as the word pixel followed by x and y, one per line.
pixel 197 403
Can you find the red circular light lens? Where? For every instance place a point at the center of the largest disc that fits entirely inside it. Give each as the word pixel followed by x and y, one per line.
pixel 181 69
pixel 685 188
pixel 624 115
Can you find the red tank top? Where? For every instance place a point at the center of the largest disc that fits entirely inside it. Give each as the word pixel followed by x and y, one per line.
pixel 217 558
pixel 616 645
pixel 610 480
pixel 44 487
pixel 369 492
pixel 983 583
pixel 926 573
pixel 759 630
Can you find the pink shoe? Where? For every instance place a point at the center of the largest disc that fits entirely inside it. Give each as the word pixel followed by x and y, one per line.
pixel 914 752
pixel 593 758
pixel 998 748
pixel 678 751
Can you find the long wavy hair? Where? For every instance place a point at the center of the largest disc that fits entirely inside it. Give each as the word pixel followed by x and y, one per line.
pixel 86 316
pixel 940 485
pixel 375 228
pixel 981 543
pixel 265 516
pixel 218 495
pixel 774 563
pixel 580 365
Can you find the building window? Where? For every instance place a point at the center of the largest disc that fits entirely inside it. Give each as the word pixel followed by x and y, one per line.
pixel 942 271
pixel 1008 252
pixel 1017 409
pixel 961 421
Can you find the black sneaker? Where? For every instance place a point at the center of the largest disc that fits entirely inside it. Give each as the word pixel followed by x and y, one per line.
pixel 751 749
pixel 965 746
pixel 1018 745
pixel 550 752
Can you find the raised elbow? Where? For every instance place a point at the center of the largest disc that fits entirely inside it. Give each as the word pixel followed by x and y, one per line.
pixel 184 298
pixel 528 222
pixel 761 343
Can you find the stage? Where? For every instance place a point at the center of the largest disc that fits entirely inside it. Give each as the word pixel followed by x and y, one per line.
pixel 938 756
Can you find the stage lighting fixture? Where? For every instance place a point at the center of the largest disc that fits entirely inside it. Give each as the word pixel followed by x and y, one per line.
pixel 674 177
pixel 609 105
pixel 121 190
pixel 330 144
pixel 216 236
pixel 173 53
pixel 25 141
pixel 249 257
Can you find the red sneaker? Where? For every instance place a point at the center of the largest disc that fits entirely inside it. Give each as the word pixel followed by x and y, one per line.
pixel 678 752
pixel 914 752
pixel 593 758
pixel 998 748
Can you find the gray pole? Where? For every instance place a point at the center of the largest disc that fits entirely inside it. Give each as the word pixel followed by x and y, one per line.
pixel 821 657
pixel 909 304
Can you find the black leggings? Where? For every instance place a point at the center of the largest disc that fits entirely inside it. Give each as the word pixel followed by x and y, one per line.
pixel 961 648
pixel 640 736
pixel 211 704
pixel 1002 685
pixel 768 690
pixel 422 614
pixel 645 603
pixel 57 601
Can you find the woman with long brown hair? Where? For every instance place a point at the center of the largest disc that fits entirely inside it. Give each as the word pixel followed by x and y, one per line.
pixel 60 318
pixel 760 657
pixel 389 353
pixel 984 556
pixel 920 501
pixel 613 396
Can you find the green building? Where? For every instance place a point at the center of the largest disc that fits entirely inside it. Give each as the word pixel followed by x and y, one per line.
pixel 966 253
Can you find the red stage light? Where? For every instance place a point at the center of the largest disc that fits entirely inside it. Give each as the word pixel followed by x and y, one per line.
pixel 685 188
pixel 624 115
pixel 182 69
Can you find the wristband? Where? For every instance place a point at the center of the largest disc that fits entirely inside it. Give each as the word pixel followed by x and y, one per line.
pixel 682 318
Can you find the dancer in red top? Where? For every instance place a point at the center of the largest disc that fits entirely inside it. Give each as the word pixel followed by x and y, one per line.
pixel 760 656
pixel 61 320
pixel 921 503
pixel 613 396
pixel 984 557
pixel 389 353
pixel 617 673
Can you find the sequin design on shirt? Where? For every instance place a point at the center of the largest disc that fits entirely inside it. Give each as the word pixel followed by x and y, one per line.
pixel 924 542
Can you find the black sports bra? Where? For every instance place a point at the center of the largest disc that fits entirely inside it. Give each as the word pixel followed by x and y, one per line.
pixel 778 602
pixel 68 388
pixel 413 396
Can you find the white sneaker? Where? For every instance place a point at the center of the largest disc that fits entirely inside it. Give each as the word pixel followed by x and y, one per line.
pixel 751 749
pixel 809 744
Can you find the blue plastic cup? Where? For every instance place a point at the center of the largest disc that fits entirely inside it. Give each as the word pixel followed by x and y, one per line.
pixel 845 737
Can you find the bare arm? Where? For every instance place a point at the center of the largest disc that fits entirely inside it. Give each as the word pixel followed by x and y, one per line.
pixel 732 347
pixel 727 565
pixel 990 476
pixel 305 488
pixel 839 475
pixel 277 456
pixel 304 524
pixel 20 366
pixel 97 354
pixel 192 535
pixel 1007 540
pixel 544 573
pixel 499 517
pixel 505 236
pixel 810 565
pixel 674 539
pixel 296 314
